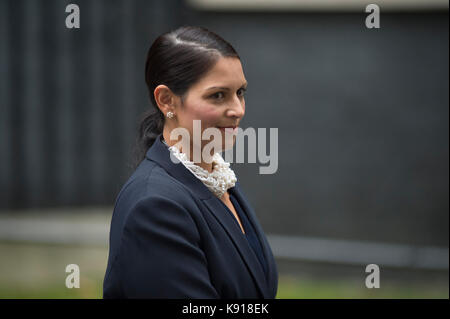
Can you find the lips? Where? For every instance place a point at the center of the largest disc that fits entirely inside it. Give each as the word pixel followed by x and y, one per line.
pixel 229 129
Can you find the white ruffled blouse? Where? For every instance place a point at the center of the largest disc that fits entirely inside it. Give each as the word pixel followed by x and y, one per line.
pixel 218 181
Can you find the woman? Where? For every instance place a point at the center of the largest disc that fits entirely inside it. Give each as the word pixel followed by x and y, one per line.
pixel 183 228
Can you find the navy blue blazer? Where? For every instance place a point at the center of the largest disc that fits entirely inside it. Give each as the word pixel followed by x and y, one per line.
pixel 171 237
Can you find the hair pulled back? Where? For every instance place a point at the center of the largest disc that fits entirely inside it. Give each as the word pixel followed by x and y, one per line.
pixel 177 59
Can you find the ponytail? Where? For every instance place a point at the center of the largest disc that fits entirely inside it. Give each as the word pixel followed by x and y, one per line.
pixel 151 125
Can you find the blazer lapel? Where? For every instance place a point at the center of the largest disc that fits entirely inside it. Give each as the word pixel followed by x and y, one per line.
pixel 233 230
pixel 272 273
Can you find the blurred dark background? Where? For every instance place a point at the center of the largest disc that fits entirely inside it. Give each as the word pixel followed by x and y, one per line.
pixel 362 114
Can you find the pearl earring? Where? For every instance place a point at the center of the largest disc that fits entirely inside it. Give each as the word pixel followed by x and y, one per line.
pixel 169 115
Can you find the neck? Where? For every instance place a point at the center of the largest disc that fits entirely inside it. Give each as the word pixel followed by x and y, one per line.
pixel 205 166
pixel 202 164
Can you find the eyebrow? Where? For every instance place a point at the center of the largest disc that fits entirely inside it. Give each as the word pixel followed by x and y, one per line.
pixel 225 88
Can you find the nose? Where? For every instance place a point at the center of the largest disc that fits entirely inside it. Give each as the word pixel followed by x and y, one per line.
pixel 236 109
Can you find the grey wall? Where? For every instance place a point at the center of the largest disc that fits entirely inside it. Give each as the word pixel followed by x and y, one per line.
pixel 362 114
pixel 70 99
pixel 362 117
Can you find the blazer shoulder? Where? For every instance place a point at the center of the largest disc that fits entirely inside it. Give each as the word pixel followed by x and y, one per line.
pixel 151 181
pixel 156 232
pixel 150 178
pixel 149 190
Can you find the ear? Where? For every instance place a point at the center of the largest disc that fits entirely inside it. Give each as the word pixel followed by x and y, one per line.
pixel 165 98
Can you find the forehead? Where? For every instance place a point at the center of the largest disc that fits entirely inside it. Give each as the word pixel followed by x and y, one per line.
pixel 226 72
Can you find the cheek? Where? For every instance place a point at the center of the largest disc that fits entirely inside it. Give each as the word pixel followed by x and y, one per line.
pixel 209 115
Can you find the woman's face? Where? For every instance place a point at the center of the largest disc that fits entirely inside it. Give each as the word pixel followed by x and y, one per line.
pixel 217 100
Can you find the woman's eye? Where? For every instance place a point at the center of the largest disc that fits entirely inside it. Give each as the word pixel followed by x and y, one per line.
pixel 242 92
pixel 217 95
pixel 221 95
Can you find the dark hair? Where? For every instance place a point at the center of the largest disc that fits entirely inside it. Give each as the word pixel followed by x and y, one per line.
pixel 177 59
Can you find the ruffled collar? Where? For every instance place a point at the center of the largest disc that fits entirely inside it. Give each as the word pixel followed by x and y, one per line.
pixel 218 181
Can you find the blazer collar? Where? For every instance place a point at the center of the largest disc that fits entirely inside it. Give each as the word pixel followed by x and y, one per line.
pixel 160 154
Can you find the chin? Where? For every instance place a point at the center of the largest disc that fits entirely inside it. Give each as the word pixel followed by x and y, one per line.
pixel 228 143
